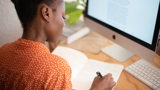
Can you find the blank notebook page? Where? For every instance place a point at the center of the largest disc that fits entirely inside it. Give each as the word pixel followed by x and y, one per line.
pixel 86 76
pixel 84 69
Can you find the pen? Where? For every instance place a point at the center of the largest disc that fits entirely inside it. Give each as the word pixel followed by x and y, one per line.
pixel 99 74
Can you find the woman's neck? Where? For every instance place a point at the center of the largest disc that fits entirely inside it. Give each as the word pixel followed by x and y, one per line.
pixel 35 34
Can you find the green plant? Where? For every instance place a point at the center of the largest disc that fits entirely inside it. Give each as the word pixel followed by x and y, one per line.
pixel 73 10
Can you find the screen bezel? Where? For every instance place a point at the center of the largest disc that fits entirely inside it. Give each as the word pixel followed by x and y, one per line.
pixel 145 44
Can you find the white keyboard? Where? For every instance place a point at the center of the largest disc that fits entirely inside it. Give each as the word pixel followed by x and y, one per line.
pixel 146 72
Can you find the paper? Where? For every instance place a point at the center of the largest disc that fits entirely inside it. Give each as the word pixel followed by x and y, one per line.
pixel 86 76
pixel 75 58
pixel 84 69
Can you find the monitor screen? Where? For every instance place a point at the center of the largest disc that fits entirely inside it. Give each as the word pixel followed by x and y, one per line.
pixel 137 20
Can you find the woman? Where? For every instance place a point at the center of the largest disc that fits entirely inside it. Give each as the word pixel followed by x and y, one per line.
pixel 27 64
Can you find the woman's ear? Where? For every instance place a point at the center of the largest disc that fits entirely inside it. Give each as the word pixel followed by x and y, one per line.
pixel 45 13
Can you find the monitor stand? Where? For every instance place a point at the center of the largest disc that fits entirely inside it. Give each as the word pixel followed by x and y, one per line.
pixel 117 52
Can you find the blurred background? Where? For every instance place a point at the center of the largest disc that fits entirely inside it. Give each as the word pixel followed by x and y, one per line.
pixel 10 27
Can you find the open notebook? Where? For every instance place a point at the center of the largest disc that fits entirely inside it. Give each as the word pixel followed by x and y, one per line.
pixel 84 69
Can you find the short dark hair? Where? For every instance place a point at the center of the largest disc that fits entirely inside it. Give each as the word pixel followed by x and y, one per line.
pixel 27 9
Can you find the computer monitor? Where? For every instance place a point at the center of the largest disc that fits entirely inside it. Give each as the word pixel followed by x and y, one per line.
pixel 133 24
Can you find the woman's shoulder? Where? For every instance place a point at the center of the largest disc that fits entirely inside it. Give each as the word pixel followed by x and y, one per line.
pixel 59 61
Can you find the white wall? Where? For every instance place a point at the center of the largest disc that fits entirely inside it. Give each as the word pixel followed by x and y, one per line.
pixel 10 27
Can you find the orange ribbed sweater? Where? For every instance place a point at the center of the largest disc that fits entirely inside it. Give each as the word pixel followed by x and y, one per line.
pixel 28 65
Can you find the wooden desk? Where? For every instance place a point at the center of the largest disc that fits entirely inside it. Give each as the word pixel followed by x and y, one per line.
pixel 126 81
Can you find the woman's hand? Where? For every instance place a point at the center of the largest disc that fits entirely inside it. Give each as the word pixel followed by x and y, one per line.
pixel 104 83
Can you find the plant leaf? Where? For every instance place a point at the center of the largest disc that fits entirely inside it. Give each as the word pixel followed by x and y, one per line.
pixel 74 16
pixel 71 6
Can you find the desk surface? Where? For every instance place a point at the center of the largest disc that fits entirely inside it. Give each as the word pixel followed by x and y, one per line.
pixel 126 81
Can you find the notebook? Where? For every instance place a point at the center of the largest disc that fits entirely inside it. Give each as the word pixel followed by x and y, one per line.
pixel 84 69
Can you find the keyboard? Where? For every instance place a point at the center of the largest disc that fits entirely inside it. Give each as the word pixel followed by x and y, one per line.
pixel 145 72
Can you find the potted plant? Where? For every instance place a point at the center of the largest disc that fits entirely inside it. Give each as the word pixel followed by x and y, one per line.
pixel 74 10
pixel 74 23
